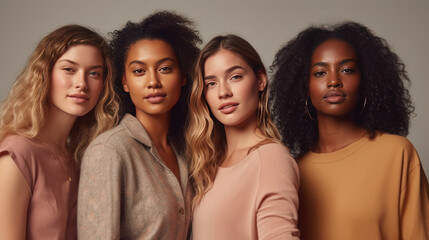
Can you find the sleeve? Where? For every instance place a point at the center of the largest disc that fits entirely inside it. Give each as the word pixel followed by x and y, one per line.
pixel 99 198
pixel 21 153
pixel 277 210
pixel 414 201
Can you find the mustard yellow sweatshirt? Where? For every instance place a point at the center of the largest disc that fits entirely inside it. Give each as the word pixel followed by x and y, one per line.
pixel 369 190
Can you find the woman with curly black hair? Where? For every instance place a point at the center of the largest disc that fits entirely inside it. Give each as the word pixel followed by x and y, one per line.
pixel 134 179
pixel 342 108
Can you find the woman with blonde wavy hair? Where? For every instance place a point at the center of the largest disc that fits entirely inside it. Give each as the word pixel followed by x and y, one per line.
pixel 245 181
pixel 62 99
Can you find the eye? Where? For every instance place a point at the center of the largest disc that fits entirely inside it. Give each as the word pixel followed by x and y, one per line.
pixel 95 74
pixel 139 72
pixel 68 69
pixel 165 69
pixel 319 74
pixel 210 84
pixel 348 70
pixel 235 77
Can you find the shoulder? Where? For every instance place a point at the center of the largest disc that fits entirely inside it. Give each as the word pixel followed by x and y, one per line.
pixel 20 145
pixel 27 154
pixel 278 169
pixel 396 147
pixel 276 157
pixel 274 152
pixel 113 146
pixel 17 140
pixel 113 139
pixel 393 140
pixel 392 143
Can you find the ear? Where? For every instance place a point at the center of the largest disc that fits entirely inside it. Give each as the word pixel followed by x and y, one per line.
pixel 124 84
pixel 183 81
pixel 262 82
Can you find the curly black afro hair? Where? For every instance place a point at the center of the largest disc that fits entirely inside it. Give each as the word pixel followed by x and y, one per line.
pixel 180 33
pixel 383 84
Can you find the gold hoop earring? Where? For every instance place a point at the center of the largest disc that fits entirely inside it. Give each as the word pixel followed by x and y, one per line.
pixel 307 110
pixel 363 107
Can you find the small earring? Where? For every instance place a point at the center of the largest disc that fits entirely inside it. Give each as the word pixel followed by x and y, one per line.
pixel 307 110
pixel 363 107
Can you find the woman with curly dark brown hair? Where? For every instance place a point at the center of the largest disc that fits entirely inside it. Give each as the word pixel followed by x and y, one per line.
pixel 134 178
pixel 343 109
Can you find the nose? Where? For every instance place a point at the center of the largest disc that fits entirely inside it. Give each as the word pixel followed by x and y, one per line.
pixel 80 82
pixel 224 90
pixel 334 81
pixel 153 81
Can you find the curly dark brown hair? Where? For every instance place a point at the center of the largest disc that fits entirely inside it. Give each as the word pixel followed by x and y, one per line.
pixel 180 33
pixel 384 84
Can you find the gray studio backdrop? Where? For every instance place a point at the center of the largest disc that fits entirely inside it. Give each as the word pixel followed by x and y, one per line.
pixel 265 24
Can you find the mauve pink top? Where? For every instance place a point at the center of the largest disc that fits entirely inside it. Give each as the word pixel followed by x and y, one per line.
pixel 53 203
pixel 256 198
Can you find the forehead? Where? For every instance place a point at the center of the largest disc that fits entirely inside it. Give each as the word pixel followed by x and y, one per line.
pixel 222 60
pixel 333 49
pixel 150 49
pixel 83 54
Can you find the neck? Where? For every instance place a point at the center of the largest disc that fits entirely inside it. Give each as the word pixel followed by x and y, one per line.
pixel 336 133
pixel 56 129
pixel 239 140
pixel 244 136
pixel 157 127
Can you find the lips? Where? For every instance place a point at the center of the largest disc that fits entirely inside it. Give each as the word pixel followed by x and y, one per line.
pixel 155 97
pixel 335 96
pixel 79 97
pixel 228 107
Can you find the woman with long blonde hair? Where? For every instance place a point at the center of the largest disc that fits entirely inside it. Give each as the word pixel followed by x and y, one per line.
pixel 62 99
pixel 245 181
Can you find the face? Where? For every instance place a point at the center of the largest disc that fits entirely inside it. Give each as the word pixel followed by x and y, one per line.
pixel 152 77
pixel 232 88
pixel 334 78
pixel 76 81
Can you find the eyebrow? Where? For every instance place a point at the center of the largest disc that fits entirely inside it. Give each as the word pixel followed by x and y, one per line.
pixel 229 70
pixel 157 62
pixel 75 63
pixel 323 64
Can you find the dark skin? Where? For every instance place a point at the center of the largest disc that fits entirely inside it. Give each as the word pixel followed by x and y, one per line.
pixel 334 91
pixel 153 78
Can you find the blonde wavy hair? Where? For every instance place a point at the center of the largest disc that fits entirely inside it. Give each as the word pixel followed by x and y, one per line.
pixel 205 135
pixel 23 111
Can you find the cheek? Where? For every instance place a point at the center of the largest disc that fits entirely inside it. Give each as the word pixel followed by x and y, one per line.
pixel 96 86
pixel 315 89
pixel 210 97
pixel 58 84
pixel 173 86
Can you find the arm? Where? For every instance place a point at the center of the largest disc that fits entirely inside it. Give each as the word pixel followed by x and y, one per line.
pixel 414 209
pixel 277 212
pixel 99 199
pixel 14 200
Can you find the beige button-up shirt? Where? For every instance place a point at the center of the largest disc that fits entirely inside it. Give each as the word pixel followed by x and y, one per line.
pixel 127 192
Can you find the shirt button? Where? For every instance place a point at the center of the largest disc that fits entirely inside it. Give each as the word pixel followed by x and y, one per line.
pixel 181 211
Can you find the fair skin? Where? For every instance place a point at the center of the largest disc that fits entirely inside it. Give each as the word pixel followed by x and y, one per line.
pixel 153 79
pixel 75 87
pixel 232 92
pixel 334 91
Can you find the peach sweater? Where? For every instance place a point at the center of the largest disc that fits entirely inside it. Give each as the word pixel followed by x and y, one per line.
pixel 255 199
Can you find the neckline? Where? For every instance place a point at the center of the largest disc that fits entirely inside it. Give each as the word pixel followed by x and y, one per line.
pixel 242 161
pixel 339 154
